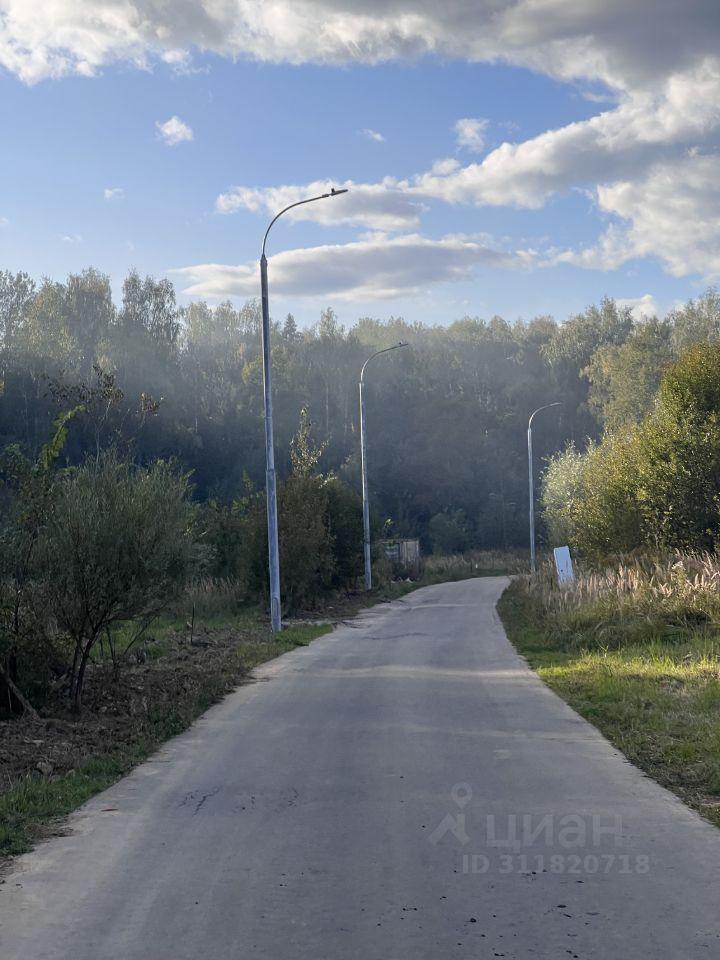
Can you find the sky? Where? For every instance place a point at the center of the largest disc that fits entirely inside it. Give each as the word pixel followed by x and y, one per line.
pixel 512 157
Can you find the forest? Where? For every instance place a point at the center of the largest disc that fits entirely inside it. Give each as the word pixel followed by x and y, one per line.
pixel 446 417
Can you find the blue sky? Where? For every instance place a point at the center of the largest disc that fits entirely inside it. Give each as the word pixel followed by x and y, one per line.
pixel 604 170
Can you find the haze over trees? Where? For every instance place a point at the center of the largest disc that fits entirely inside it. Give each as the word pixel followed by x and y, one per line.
pixel 447 417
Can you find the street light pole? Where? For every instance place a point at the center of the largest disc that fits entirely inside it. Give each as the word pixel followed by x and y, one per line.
pixel 531 486
pixel 363 464
pixel 270 486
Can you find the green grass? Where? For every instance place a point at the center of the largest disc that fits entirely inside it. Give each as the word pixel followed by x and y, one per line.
pixel 300 635
pixel 34 805
pixel 658 701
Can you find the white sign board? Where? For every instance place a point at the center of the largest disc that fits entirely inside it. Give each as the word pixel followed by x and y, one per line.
pixel 563 565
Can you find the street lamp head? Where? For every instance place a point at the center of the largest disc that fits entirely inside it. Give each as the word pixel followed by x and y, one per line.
pixel 299 203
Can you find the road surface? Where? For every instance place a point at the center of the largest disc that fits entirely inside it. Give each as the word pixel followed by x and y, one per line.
pixel 403 789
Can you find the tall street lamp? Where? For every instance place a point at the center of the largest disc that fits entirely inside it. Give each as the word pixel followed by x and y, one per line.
pixel 273 551
pixel 363 463
pixel 531 486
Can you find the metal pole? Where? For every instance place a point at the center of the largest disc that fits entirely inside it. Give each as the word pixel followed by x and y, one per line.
pixel 270 488
pixel 363 465
pixel 532 499
pixel 531 485
pixel 270 485
pixel 366 502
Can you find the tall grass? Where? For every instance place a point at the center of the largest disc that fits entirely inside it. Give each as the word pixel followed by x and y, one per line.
pixel 472 563
pixel 639 600
pixel 212 599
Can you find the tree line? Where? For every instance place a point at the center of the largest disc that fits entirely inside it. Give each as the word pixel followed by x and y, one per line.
pixel 446 418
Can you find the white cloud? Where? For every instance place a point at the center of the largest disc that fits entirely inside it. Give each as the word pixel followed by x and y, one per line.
pixel 650 164
pixel 4 222
pixel 641 308
pixel 379 206
pixel 684 110
pixel 113 193
pixel 672 212
pixel 71 238
pixel 376 267
pixel 373 135
pixel 181 63
pixel 174 131
pixel 625 44
pixel 470 132
pixel 658 61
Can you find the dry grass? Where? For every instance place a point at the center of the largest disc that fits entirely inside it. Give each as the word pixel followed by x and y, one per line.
pixel 643 600
pixel 635 650
pixel 473 563
pixel 212 599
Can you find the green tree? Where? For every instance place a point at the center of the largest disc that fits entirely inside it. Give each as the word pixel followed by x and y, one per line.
pixel 561 495
pixel 448 532
pixel 116 546
pixel 625 378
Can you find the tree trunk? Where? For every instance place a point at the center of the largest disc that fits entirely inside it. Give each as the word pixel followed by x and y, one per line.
pixel 74 671
pixel 15 693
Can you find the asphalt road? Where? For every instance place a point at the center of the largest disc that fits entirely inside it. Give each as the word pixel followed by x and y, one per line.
pixel 403 788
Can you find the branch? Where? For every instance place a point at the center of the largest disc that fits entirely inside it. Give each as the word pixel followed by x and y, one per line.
pixel 24 703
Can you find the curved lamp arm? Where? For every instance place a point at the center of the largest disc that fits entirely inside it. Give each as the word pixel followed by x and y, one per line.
pixel 395 346
pixel 299 203
pixel 558 403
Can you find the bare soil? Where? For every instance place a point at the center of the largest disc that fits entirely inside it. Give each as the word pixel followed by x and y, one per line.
pixel 124 707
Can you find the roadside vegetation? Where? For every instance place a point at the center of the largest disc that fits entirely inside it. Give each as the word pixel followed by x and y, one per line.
pixel 653 484
pixel 53 762
pixel 633 644
pixel 635 650
pixel 127 608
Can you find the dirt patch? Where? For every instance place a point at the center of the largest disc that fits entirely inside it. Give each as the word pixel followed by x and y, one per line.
pixel 124 707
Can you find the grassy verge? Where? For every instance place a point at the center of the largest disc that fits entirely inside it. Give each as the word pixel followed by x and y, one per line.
pixel 656 699
pixel 113 736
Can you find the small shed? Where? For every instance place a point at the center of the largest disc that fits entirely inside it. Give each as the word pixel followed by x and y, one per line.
pixel 404 553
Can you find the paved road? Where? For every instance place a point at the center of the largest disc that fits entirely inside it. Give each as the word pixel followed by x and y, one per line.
pixel 403 789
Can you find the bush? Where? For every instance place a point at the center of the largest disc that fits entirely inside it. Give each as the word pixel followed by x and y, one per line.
pixel 449 532
pixel 29 646
pixel 562 494
pixel 117 545
pixel 344 523
pixel 655 484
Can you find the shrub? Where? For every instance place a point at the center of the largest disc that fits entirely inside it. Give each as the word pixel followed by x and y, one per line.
pixel 655 484
pixel 319 530
pixel 29 645
pixel 116 546
pixel 449 532
pixel 561 495
pixel 344 522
